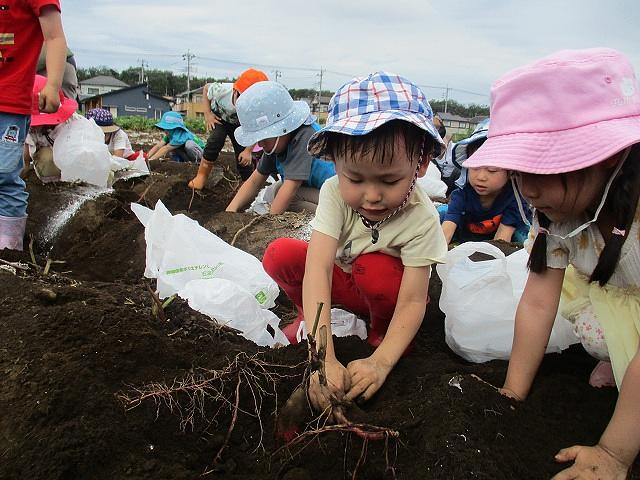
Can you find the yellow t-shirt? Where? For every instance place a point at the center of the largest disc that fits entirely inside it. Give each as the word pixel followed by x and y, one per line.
pixel 413 234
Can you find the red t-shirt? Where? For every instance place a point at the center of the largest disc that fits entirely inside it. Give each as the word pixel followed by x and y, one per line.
pixel 20 43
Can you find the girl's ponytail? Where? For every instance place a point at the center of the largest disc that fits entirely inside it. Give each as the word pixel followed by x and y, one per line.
pixel 537 262
pixel 621 204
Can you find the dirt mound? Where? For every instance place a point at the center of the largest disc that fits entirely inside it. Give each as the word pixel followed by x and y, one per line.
pixel 87 367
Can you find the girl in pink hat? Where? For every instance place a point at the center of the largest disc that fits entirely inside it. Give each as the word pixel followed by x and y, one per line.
pixel 45 127
pixel 568 127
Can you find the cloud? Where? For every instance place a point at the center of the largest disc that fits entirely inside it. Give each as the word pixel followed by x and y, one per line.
pixel 465 45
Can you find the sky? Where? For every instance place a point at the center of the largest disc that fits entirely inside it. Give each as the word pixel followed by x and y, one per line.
pixel 459 47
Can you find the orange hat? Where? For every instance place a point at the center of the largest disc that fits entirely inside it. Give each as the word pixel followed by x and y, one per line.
pixel 248 78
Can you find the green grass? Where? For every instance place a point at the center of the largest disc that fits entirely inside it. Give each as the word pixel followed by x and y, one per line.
pixel 143 124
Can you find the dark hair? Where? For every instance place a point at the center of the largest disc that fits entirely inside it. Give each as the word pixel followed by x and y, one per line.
pixel 621 205
pixel 379 143
pixel 437 122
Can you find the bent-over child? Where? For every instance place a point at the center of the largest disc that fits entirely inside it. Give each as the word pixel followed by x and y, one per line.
pixel 221 119
pixel 282 127
pixel 45 128
pixel 179 143
pixel 580 170
pixel 375 236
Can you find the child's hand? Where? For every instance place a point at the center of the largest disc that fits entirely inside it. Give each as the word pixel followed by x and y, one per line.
pixel 245 159
pixel 507 392
pixel 338 382
pixel 367 376
pixel 49 99
pixel 211 120
pixel 591 463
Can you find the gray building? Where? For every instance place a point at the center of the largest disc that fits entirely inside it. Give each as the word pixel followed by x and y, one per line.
pixel 131 101
pixel 100 85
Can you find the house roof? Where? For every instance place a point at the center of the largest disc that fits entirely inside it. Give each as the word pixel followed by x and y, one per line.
pixel 450 116
pixel 187 92
pixel 117 92
pixel 104 80
pixel 478 118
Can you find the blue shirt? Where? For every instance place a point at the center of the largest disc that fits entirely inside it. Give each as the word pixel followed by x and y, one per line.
pixel 177 137
pixel 296 163
pixel 466 211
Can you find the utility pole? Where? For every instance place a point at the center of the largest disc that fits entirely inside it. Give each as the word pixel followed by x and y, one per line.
pixel 446 98
pixel 277 74
pixel 320 89
pixel 188 57
pixel 141 74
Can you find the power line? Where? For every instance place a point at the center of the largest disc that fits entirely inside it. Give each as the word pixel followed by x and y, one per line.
pixel 276 68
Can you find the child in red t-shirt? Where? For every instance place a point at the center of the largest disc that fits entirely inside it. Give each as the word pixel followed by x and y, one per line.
pixel 24 26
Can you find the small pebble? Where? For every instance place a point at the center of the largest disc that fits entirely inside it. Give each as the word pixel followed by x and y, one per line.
pixel 46 295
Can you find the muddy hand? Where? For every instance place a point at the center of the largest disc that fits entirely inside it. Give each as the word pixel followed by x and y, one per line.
pixel 367 376
pixel 49 99
pixel 591 463
pixel 507 392
pixel 324 396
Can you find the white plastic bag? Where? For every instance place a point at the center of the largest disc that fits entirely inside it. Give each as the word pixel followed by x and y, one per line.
pixel 480 299
pixel 80 153
pixel 180 250
pixel 232 305
pixel 343 324
pixel 126 169
pixel 262 204
pixel 432 184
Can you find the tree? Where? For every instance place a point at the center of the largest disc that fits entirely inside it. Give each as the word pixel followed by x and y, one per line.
pixel 467 111
pixel 298 93
pixel 90 72
pixel 161 82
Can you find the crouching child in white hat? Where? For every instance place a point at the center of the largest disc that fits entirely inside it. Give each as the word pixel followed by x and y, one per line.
pixel 282 127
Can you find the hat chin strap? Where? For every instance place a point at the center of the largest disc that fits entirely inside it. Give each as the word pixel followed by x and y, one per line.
pixel 577 230
pixel 274 147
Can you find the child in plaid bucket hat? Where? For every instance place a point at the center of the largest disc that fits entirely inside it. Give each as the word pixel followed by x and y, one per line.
pixel 568 127
pixel 374 235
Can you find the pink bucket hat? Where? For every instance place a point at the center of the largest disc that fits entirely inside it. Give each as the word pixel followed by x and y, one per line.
pixel 563 113
pixel 38 118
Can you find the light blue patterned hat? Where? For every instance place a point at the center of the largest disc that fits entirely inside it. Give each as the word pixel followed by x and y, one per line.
pixel 459 151
pixel 366 103
pixel 266 110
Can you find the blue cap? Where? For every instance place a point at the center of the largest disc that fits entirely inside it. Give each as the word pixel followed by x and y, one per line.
pixel 171 120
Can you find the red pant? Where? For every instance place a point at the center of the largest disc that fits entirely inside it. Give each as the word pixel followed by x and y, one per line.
pixel 370 290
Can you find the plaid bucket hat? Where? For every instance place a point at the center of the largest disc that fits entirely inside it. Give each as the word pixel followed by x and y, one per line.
pixel 366 103
pixel 563 113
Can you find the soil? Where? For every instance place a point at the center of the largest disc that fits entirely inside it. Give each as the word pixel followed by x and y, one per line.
pixel 80 339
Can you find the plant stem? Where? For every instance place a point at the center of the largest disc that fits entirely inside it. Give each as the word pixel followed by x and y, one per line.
pixel 315 323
